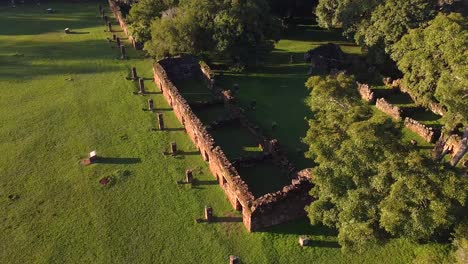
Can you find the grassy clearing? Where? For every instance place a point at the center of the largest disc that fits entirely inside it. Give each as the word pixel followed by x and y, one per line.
pixel 63 215
pixel 194 90
pixel 264 178
pixel 213 113
pixel 236 141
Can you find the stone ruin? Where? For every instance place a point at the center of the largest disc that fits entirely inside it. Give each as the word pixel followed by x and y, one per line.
pixel 257 212
pixel 427 133
pixel 388 108
pixel 435 107
pixel 453 144
pixel 123 24
pixel 366 92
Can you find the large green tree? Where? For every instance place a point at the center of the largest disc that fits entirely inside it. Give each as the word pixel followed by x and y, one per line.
pixel 434 63
pixel 240 31
pixel 142 13
pixel 368 183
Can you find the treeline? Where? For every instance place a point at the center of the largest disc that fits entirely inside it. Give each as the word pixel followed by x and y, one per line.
pixel 427 39
pixel 240 32
pixel 369 184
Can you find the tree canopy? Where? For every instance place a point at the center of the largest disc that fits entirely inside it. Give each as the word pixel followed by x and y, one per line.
pixel 434 63
pixel 368 183
pixel 240 31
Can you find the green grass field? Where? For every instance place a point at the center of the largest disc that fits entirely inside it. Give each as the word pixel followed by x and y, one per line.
pixel 65 95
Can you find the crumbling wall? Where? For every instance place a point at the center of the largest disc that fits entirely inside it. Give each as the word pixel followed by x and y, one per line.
pixel 228 177
pixel 281 206
pixel 268 210
pixel 435 107
pixel 427 133
pixel 366 92
pixel 388 108
pixel 118 15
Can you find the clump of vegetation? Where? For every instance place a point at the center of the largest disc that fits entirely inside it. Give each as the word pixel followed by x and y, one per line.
pixel 433 62
pixel 369 184
pixel 239 32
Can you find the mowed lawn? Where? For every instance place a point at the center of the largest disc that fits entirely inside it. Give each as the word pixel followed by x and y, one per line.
pixel 62 96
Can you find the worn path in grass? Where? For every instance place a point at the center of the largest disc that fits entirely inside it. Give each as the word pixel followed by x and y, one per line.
pixel 62 96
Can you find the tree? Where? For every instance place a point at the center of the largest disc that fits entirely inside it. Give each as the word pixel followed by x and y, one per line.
pixel 433 61
pixel 142 13
pixel 369 184
pixel 240 31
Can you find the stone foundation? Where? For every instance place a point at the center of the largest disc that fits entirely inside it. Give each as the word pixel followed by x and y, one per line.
pixel 258 213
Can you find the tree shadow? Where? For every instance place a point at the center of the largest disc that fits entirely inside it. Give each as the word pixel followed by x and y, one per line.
pixel 109 160
pixel 324 244
pixel 301 227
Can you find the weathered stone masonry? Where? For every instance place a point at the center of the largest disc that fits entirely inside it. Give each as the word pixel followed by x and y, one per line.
pixel 118 15
pixel 267 210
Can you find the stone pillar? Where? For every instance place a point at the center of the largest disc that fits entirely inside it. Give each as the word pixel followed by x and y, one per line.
pixel 188 176
pixel 208 213
pixel 123 52
pixel 114 37
pixel 160 121
pixel 118 42
pixel 173 148
pixel 141 83
pixel 106 20
pixel 109 26
pixel 134 73
pixel 150 104
pixel 100 9
pixel 234 260
pixel 103 13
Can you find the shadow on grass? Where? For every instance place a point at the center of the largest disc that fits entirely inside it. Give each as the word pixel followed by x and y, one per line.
pixel 199 183
pixel 187 153
pixel 324 244
pixel 301 227
pixel 227 219
pixel 108 160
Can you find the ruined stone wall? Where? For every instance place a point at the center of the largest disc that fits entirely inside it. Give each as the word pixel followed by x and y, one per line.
pixel 366 92
pixel 388 108
pixel 118 15
pixel 427 133
pixel 436 108
pixel 268 210
pixel 229 179
pixel 281 206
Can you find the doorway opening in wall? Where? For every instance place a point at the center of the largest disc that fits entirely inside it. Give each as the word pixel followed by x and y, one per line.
pixel 207 158
pixel 238 205
pixel 217 178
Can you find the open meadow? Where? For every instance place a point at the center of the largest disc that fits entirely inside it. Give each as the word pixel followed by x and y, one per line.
pixel 64 95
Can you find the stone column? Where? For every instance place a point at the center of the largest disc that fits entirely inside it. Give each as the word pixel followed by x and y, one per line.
pixel 173 148
pixel 150 104
pixel 160 121
pixel 106 20
pixel 208 213
pixel 188 176
pixel 100 9
pixel 109 26
pixel 114 37
pixel 118 42
pixel 134 73
pixel 141 83
pixel 103 13
pixel 123 52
